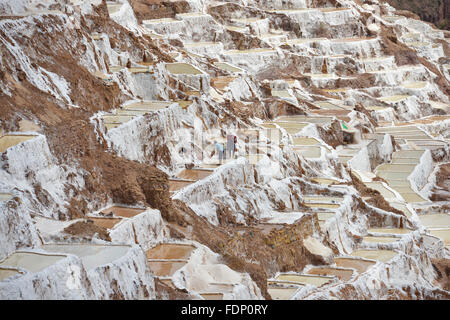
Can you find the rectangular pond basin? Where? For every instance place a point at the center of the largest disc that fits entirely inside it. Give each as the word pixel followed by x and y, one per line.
pixel 148 105
pixel 408 154
pixel 396 167
pixel 212 296
pixel 411 197
pixel 280 293
pixel 325 181
pixel 302 141
pixel 394 99
pixel 182 68
pixel 307 119
pixel 444 234
pixel 322 199
pixel 323 205
pixel 165 268
pixel 405 161
pixel 281 94
pixel 140 70
pixel 6 273
pixel 311 152
pixel 92 255
pixel 438 220
pixel 170 251
pixel 107 223
pixel 109 118
pixel 325 215
pixel 8 141
pixel 393 175
pixel 31 261
pixel 227 67
pixel 110 126
pixel 360 265
pixel 399 231
pixel 377 185
pixel 5 197
pixel 378 255
pixel 305 279
pixel 396 129
pixel 194 174
pixel 343 274
pixel 372 239
pixel 122 211
pixel 328 105
pixel 291 124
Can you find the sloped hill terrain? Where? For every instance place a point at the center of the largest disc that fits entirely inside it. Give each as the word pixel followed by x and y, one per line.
pixel 333 116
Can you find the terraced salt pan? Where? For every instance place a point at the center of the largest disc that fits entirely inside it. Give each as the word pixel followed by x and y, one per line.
pixel 212 296
pixel 113 8
pixel 123 211
pixel 308 119
pixel 373 239
pixel 325 181
pixel 389 231
pixel 443 233
pixel 107 223
pixel 182 68
pixel 250 51
pixel 194 174
pixel 439 220
pixel 343 274
pixel 394 99
pixel 170 251
pixel 322 205
pixel 6 273
pixel 5 197
pixel 175 185
pixel 402 207
pixel 117 119
pixel 322 199
pixel 378 255
pixel 281 293
pixel 412 197
pixel 8 141
pixel 285 218
pixel 397 129
pixel 311 152
pixel 396 167
pixel 325 215
pixel 328 105
pixel 415 85
pixel 91 255
pixel 31 261
pixel 294 129
pixel 385 192
pixel 301 141
pixel 281 94
pixel 305 279
pixel 392 175
pixel 361 265
pixel 228 67
pixel 247 20
pixel 416 154
pixel 165 268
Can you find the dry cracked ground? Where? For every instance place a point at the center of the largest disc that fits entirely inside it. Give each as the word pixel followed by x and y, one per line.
pixel 112 114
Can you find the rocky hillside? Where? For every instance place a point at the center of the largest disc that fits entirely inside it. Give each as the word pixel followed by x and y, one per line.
pixel 434 11
pixel 333 118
